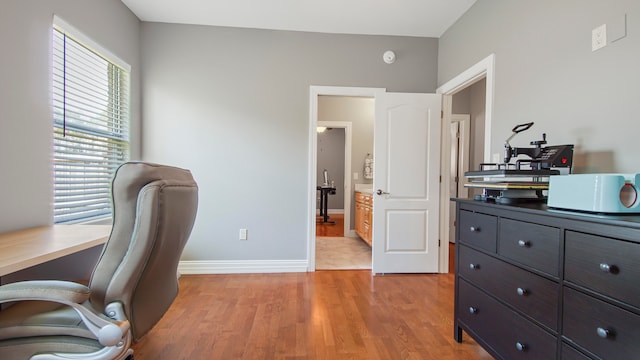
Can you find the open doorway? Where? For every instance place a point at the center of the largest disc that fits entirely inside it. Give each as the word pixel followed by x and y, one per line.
pixel 338 151
pixel 334 145
pixel 340 108
pixel 470 92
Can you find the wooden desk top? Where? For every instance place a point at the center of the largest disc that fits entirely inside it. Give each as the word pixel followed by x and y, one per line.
pixel 25 248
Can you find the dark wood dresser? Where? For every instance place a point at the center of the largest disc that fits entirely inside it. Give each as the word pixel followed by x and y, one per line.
pixel 538 283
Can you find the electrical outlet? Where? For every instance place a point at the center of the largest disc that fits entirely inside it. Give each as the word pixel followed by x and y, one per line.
pixel 243 234
pixel 599 37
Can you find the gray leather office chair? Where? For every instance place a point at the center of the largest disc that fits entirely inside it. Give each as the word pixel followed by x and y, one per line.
pixel 132 285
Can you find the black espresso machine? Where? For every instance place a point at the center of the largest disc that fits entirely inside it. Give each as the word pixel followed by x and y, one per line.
pixel 525 180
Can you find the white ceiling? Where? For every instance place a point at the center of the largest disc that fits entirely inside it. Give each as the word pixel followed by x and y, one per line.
pixel 428 18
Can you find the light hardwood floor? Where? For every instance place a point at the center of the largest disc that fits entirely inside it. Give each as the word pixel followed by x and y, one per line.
pixel 320 315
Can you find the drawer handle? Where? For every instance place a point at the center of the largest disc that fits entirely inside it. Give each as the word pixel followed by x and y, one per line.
pixel 520 346
pixel 522 292
pixel 474 266
pixel 611 269
pixel 604 333
pixel 473 310
pixel 474 229
pixel 523 243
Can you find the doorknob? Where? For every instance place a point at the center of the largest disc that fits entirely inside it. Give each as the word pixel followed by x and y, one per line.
pixel 380 192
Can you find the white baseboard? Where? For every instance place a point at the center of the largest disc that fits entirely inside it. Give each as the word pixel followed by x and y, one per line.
pixel 242 266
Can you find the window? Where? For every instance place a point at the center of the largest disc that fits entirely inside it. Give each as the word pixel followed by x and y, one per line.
pixel 90 127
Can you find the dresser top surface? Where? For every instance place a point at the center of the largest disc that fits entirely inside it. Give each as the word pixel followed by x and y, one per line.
pixel 627 220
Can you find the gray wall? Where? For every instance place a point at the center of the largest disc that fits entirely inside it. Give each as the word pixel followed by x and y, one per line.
pixel 232 105
pixel 546 72
pixel 26 135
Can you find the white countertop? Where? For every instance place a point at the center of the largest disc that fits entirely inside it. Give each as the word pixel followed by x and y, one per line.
pixel 364 188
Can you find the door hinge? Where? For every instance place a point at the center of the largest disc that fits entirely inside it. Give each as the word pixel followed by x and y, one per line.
pixel 438 242
pixel 441 114
pixel 440 178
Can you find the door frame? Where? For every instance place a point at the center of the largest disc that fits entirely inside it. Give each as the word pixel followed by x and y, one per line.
pixel 485 68
pixel 348 138
pixel 314 92
pixel 460 162
pixel 464 151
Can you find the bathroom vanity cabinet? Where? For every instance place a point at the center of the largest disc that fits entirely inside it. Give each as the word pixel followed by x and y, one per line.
pixel 363 215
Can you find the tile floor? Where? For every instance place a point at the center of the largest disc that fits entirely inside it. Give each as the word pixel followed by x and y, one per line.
pixel 342 253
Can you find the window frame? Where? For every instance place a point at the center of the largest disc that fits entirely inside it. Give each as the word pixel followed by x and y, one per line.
pixel 88 146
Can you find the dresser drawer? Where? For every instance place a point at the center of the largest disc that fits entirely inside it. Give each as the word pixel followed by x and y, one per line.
pixel 603 329
pixel 532 294
pixel 478 230
pixel 509 334
pixel 537 246
pixel 569 353
pixel 606 265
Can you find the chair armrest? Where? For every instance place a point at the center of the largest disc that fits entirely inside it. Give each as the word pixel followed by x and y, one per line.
pixel 109 332
pixel 65 292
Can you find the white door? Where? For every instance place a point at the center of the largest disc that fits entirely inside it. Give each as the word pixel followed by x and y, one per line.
pixel 406 183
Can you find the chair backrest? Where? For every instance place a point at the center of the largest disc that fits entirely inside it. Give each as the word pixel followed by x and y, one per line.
pixel 154 208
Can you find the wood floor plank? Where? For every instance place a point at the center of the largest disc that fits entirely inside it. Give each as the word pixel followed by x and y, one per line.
pixel 319 315
pixel 333 228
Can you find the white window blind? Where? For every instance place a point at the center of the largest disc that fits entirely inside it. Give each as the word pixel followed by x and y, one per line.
pixel 90 127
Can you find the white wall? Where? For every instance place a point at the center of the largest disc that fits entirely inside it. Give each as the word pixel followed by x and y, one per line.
pixel 26 136
pixel 545 72
pixel 232 105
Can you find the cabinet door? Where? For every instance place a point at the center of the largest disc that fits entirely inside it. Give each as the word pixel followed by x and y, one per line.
pixel 368 225
pixel 359 219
